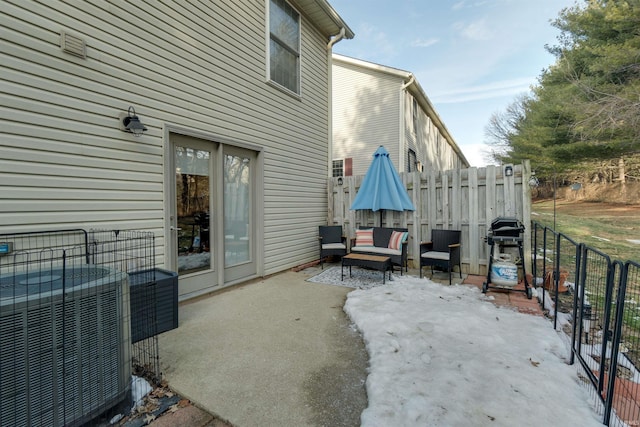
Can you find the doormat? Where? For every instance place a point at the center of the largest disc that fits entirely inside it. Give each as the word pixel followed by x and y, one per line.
pixel 360 278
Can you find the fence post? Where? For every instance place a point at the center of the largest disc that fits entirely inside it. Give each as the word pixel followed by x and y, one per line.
pixel 578 297
pixel 617 334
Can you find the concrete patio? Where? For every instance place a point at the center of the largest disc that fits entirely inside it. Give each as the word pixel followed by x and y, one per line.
pixel 278 351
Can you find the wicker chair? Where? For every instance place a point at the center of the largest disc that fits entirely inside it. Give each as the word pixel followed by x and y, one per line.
pixel 442 251
pixel 332 242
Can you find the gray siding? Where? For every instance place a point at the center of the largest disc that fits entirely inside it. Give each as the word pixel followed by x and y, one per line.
pixel 366 114
pixel 431 147
pixel 370 108
pixel 65 163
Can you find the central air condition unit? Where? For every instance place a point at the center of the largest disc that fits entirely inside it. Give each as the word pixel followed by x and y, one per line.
pixel 64 345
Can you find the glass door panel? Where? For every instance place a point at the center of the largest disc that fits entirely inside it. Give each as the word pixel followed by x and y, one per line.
pixel 193 186
pixel 237 209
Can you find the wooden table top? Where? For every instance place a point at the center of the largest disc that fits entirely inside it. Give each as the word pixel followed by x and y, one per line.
pixel 366 257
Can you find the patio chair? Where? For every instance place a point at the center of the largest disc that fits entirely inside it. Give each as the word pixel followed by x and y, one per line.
pixel 332 242
pixel 442 251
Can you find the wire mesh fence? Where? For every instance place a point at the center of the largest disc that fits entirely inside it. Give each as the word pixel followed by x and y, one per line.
pixel 66 352
pixel 595 301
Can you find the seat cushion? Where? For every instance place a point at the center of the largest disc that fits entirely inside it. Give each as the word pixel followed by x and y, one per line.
pixel 334 246
pixel 436 255
pixel 376 250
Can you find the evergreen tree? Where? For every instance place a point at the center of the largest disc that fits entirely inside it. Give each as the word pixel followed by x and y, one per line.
pixel 586 106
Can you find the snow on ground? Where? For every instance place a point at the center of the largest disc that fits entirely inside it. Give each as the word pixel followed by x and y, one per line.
pixel 445 356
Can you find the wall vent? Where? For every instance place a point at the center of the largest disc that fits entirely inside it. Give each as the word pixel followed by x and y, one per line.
pixel 73 45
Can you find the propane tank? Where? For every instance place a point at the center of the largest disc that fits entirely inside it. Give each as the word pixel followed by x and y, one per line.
pixel 504 272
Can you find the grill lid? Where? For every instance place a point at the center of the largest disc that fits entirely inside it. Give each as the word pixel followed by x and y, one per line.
pixel 506 226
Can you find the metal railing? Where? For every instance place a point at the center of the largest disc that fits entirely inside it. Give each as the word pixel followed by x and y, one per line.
pixel 595 301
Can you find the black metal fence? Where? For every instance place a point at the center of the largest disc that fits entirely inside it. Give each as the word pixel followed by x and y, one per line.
pixel 66 321
pixel 595 301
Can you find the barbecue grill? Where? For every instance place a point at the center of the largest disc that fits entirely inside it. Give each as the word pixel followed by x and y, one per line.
pixel 505 232
pixel 505 229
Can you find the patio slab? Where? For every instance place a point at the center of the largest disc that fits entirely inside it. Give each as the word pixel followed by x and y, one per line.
pixel 278 351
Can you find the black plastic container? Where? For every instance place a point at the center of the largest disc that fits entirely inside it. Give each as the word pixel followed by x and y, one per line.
pixel 154 302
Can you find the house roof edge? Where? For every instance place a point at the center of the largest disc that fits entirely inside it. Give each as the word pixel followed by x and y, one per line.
pixel 413 86
pixel 324 16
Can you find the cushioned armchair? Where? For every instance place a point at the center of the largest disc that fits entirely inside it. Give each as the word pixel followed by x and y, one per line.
pixel 442 251
pixel 332 242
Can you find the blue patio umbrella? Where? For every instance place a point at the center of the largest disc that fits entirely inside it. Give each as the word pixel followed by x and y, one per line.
pixel 382 188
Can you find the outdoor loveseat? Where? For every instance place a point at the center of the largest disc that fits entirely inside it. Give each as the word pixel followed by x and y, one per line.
pixel 391 242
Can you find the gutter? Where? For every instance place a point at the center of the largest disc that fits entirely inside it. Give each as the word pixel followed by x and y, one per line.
pixel 335 39
pixel 410 82
pixel 402 147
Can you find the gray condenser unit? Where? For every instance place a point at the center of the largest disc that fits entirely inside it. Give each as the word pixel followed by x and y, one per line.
pixel 64 345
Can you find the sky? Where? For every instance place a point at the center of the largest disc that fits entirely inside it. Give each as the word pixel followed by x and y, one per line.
pixel 446 356
pixel 471 57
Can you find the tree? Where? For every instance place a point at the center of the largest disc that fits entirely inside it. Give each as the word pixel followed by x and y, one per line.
pixel 585 107
pixel 600 58
pixel 503 126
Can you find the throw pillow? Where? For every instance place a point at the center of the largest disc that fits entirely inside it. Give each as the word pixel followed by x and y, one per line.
pixel 364 237
pixel 397 238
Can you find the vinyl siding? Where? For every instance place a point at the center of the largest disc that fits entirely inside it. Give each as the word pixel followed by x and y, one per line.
pixel 366 105
pixel 431 147
pixel 369 110
pixel 202 65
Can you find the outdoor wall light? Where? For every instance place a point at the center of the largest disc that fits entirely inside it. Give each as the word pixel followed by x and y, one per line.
pixel 508 171
pixel 131 123
pixel 339 180
pixel 533 181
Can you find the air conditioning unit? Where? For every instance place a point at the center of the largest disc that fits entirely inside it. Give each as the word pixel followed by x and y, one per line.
pixel 64 345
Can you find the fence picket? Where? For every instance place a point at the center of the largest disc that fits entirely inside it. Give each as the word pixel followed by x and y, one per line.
pixel 462 199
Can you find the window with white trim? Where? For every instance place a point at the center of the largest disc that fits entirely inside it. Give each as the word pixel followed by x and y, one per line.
pixel 284 45
pixel 337 168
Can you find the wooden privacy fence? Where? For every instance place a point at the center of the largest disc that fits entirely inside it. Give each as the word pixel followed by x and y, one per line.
pixel 463 199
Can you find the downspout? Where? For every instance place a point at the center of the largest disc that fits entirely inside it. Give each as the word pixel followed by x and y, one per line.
pixel 335 39
pixel 410 82
pixel 402 144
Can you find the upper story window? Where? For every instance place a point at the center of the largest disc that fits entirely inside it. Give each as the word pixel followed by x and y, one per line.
pixel 284 45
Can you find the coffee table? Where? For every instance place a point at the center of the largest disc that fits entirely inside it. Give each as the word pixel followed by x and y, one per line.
pixel 375 262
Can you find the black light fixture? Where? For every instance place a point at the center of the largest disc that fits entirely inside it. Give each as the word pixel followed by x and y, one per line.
pixel 339 180
pixel 131 123
pixel 508 171
pixel 533 180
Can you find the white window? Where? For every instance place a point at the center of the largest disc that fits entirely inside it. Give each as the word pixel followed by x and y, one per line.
pixel 284 45
pixel 338 168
